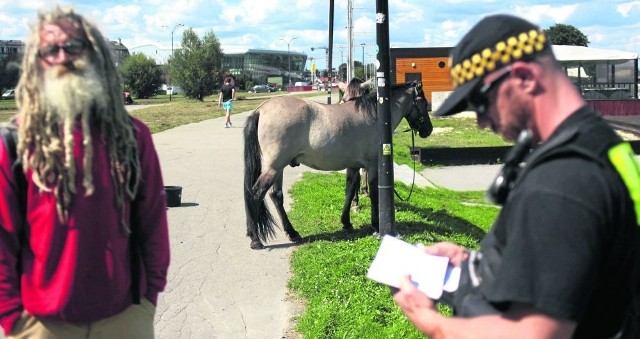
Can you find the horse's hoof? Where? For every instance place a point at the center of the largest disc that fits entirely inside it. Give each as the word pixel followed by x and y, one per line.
pixel 355 208
pixel 295 238
pixel 347 228
pixel 257 245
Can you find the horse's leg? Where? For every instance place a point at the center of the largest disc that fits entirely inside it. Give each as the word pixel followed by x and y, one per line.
pixel 256 183
pixel 351 188
pixel 373 196
pixel 259 220
pixel 364 188
pixel 355 177
pixel 278 201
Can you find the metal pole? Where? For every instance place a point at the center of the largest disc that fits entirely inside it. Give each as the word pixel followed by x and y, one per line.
pixel 289 66
pixel 289 56
pixel 170 62
pixel 349 40
pixel 385 158
pixel 363 71
pixel 341 62
pixel 330 50
pixel 170 85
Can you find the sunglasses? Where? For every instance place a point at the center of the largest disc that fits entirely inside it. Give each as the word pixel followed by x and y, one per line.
pixel 71 47
pixel 480 100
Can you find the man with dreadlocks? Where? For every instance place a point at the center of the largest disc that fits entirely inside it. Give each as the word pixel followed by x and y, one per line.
pixel 89 254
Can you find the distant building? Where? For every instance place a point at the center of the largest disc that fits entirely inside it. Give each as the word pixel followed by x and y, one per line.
pixel 8 47
pixel 259 66
pixel 119 52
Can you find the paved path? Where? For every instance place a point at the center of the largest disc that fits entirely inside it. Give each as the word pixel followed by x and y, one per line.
pixel 218 287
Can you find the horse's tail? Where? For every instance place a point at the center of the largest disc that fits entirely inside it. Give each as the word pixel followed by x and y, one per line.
pixel 259 220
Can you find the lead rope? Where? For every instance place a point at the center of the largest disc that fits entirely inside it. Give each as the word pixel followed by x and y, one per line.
pixel 413 179
pixel 413 145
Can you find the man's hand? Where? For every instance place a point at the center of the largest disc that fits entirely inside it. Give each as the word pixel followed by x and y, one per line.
pixel 419 308
pixel 455 253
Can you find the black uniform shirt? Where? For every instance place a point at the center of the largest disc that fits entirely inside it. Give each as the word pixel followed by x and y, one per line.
pixel 567 235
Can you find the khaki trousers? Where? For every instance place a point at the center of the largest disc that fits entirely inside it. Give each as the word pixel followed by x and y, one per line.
pixel 136 322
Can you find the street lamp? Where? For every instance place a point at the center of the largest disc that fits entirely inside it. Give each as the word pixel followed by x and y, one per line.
pixel 289 55
pixel 326 49
pixel 341 48
pixel 363 72
pixel 173 30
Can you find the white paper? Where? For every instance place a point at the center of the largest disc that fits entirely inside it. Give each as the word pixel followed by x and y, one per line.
pixel 396 258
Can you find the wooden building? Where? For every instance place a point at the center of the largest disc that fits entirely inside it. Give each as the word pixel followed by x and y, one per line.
pixel 429 65
pixel 607 79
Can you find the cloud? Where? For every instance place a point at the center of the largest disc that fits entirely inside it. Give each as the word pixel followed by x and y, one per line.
pixel 625 8
pixel 536 13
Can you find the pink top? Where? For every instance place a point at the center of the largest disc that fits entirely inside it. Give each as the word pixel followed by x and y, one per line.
pixel 80 271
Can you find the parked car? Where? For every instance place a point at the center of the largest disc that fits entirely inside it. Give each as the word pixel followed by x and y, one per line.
pixel 9 94
pixel 322 86
pixel 261 89
pixel 275 87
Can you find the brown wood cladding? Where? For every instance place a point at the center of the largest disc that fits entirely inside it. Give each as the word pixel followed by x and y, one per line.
pixel 434 77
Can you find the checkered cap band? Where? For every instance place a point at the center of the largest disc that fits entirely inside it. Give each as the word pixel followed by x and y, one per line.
pixel 504 52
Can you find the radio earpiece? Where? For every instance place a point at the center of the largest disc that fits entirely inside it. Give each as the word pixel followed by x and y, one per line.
pixel 503 183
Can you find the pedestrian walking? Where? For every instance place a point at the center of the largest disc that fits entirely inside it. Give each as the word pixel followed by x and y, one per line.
pixel 225 99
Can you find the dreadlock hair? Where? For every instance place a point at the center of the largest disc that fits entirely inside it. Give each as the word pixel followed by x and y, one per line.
pixel 46 147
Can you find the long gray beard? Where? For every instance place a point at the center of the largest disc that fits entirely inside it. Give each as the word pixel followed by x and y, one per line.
pixel 69 93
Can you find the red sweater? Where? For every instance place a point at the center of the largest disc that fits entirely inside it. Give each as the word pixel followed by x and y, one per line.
pixel 80 271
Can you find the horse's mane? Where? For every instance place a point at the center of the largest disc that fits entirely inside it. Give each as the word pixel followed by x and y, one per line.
pixel 369 102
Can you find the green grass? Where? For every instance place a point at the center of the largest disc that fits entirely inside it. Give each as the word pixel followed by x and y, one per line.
pixel 329 273
pixel 450 132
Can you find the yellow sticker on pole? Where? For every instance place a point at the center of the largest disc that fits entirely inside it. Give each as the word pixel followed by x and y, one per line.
pixel 386 149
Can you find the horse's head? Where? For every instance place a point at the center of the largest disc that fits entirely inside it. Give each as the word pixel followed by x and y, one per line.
pixel 418 117
pixel 355 88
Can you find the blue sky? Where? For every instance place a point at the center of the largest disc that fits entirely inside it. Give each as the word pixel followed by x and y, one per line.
pixel 145 25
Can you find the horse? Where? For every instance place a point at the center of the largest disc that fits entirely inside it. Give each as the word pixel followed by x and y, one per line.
pixel 289 131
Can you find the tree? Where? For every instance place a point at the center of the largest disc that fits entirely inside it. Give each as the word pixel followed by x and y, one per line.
pixel 141 75
pixel 197 66
pixel 561 34
pixel 10 70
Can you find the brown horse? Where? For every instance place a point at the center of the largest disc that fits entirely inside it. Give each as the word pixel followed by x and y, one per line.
pixel 291 131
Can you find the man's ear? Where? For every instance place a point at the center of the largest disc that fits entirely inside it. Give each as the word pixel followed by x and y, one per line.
pixel 528 75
